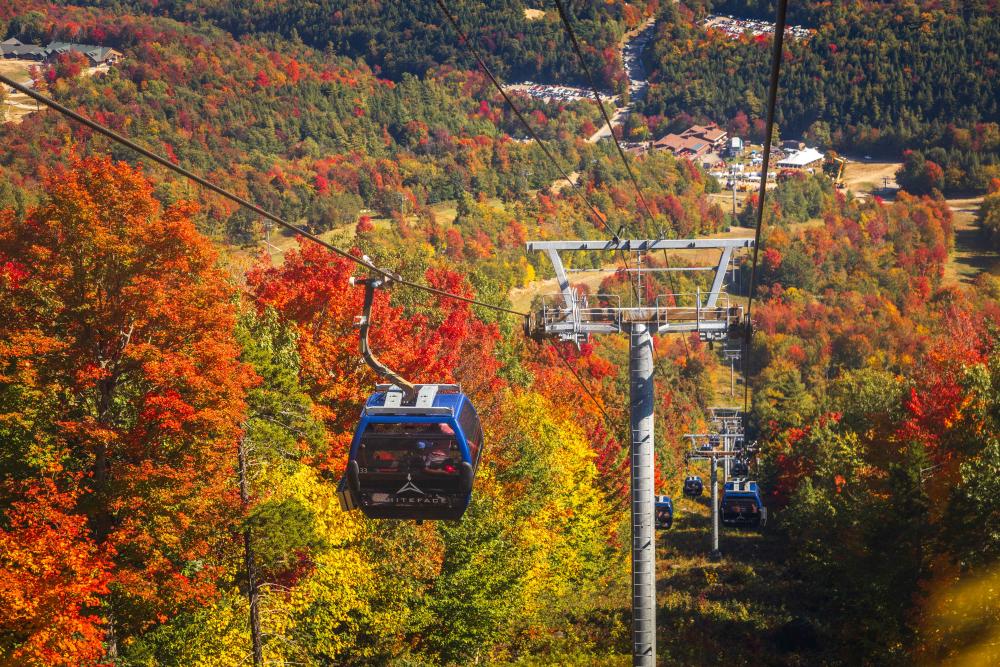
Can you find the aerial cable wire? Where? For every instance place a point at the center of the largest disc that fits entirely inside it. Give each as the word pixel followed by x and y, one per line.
pixel 159 159
pixel 586 389
pixel 604 112
pixel 164 162
pixel 118 138
pixel 776 57
pixel 548 154
pixel 564 16
pixel 567 24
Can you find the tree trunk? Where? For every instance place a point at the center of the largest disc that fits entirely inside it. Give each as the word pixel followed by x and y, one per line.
pixel 111 639
pixel 253 592
pixel 101 519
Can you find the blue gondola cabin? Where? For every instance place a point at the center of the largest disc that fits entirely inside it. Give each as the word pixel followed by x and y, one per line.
pixel 663 512
pixel 693 486
pixel 741 506
pixel 413 458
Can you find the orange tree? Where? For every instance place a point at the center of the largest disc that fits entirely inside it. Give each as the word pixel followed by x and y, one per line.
pixel 51 576
pixel 120 372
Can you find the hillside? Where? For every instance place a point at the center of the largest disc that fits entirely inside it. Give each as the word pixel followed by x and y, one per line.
pixel 407 38
pixel 179 398
pixel 876 77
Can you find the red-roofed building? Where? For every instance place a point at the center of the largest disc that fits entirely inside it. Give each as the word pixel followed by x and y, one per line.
pixel 711 133
pixel 683 146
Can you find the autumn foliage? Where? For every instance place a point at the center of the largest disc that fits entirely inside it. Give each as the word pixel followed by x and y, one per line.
pixel 118 348
pixel 872 378
pixel 174 417
pixel 52 579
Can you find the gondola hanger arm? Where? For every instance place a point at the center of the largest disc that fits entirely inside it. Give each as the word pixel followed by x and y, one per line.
pixel 364 321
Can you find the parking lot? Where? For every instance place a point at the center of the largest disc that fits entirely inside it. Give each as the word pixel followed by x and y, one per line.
pixel 735 27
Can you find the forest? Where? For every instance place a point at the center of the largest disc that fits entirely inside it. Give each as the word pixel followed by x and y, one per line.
pixel 876 77
pixel 174 395
pixel 407 37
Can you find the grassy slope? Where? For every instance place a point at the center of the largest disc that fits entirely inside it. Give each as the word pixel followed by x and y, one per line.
pixel 728 612
pixel 972 255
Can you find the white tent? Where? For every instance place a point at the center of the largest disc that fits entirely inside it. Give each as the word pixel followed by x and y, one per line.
pixel 800 159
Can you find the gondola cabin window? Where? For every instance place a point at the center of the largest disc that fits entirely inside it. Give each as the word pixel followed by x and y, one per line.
pixel 468 420
pixel 473 431
pixel 409 448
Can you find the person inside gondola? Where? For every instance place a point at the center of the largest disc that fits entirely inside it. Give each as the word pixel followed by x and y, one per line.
pixel 439 459
pixel 418 464
pixel 418 456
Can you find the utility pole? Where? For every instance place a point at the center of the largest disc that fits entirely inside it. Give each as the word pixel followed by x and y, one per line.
pixel 640 284
pixel 727 431
pixel 571 318
pixel 713 456
pixel 271 248
pixel 732 180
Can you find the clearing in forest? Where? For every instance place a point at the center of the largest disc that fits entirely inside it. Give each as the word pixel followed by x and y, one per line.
pixel 972 255
pixel 865 178
pixel 16 105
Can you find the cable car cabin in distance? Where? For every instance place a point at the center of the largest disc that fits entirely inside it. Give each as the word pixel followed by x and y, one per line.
pixel 693 486
pixel 416 458
pixel 739 468
pixel 741 506
pixel 664 512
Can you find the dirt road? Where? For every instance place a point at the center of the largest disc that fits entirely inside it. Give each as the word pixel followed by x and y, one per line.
pixel 632 45
pixel 18 105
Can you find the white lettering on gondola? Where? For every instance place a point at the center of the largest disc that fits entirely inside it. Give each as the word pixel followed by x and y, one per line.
pixel 420 500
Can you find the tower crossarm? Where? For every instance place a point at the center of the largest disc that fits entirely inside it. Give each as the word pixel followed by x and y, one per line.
pixel 568 317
